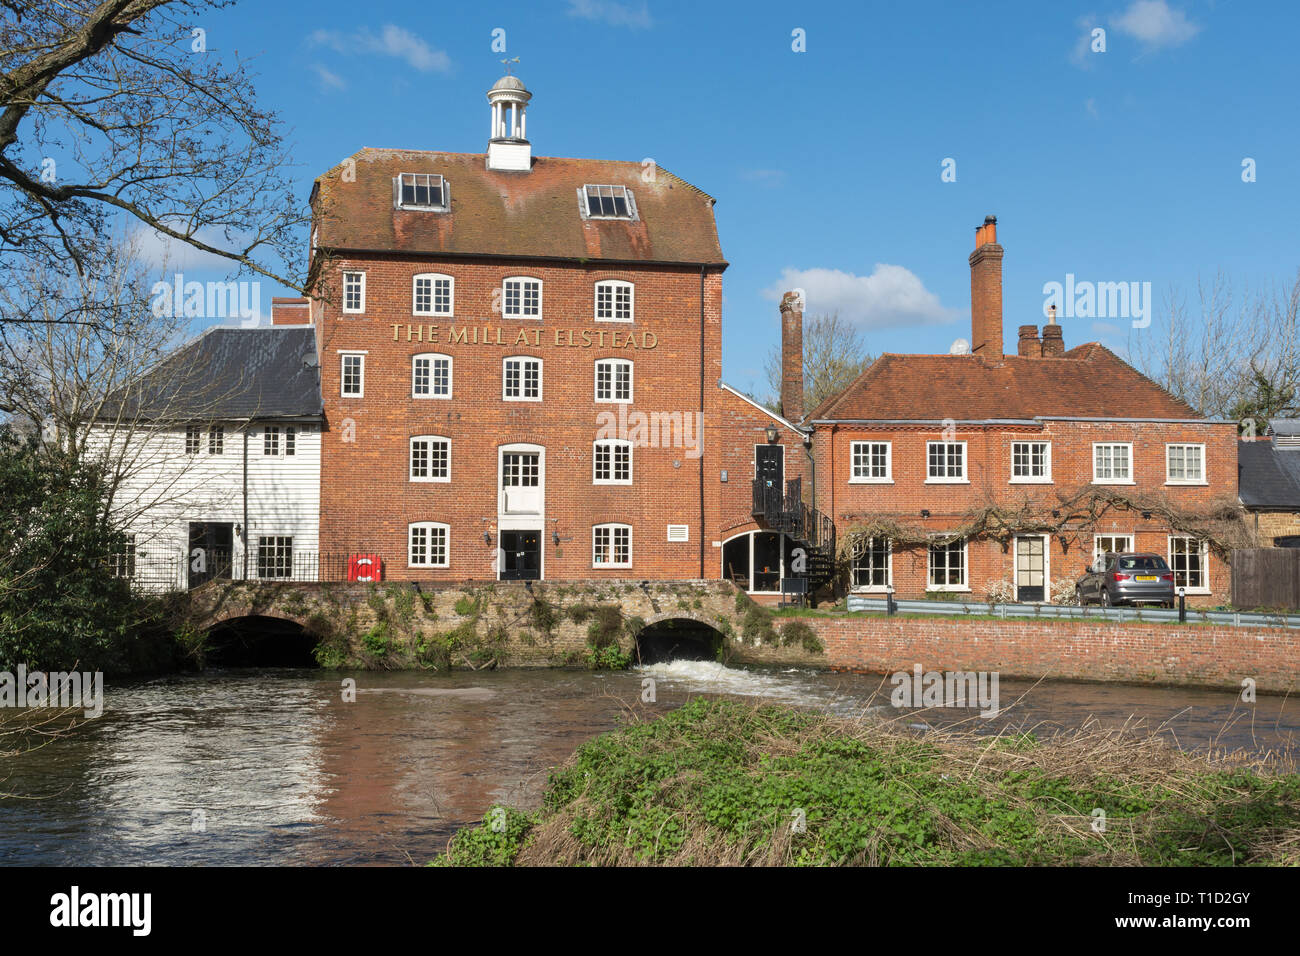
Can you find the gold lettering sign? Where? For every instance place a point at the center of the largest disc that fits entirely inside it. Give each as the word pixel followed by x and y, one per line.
pixel 495 335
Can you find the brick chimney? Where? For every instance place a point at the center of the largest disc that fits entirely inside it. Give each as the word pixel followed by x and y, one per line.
pixel 792 356
pixel 290 311
pixel 986 291
pixel 1053 343
pixel 1029 346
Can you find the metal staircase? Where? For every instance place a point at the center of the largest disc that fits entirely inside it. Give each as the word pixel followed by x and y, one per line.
pixel 812 530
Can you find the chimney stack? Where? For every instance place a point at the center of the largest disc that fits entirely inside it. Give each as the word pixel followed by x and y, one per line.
pixel 986 291
pixel 792 356
pixel 1053 343
pixel 290 311
pixel 1029 346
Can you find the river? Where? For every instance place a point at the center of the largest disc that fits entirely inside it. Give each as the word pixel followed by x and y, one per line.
pixel 249 766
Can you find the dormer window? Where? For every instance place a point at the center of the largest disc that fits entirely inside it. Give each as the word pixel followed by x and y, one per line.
pixel 609 202
pixel 422 191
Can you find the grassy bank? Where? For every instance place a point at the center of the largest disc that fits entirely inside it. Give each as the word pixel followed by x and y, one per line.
pixel 722 783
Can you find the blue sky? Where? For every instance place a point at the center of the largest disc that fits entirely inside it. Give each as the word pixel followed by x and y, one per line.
pixel 1123 165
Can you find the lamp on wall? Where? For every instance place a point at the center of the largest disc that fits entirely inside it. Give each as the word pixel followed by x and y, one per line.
pixel 925 512
pixel 555 538
pixel 771 434
pixel 1146 516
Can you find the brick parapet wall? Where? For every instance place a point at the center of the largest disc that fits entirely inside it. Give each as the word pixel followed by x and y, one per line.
pixel 1187 655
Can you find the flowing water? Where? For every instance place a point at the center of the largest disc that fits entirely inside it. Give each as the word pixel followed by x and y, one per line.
pixel 249 766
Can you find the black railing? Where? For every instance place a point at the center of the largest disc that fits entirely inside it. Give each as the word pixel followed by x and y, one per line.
pixel 789 513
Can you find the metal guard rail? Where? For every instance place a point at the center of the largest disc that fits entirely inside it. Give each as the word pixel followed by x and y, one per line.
pixel 1074 613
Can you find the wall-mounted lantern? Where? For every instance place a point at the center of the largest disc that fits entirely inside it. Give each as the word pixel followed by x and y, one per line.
pixel 772 434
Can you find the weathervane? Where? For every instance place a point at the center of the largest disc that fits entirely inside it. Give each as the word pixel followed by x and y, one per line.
pixel 507 61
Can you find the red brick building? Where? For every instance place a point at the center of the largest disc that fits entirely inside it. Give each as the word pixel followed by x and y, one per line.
pixel 520 359
pixel 1045 458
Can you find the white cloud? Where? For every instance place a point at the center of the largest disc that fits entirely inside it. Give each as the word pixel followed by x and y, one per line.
pixel 1091 107
pixel 157 251
pixel 764 177
pixel 891 296
pixel 329 80
pixel 1155 24
pixel 615 14
pixel 391 40
pixel 1082 54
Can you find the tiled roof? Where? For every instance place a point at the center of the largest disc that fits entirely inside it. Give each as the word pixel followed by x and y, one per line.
pixel 263 372
pixel 524 214
pixel 1089 381
pixel 1268 476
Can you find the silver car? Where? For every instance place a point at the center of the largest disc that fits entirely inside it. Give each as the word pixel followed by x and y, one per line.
pixel 1131 577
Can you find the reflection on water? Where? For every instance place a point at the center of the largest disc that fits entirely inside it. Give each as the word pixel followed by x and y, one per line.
pixel 283 771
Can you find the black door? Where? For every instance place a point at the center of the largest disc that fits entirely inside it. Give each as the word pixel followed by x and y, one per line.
pixel 210 554
pixel 521 555
pixel 769 470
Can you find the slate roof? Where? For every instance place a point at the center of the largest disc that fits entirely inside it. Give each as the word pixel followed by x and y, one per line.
pixel 1088 381
pixel 516 214
pixel 1268 477
pixel 230 374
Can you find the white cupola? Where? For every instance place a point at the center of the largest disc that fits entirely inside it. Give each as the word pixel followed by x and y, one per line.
pixel 508 146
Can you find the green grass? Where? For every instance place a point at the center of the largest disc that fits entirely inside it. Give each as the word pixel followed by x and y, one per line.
pixel 718 782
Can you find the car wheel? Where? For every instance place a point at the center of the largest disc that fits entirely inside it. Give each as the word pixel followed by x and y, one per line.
pixel 1079 599
pixel 1105 598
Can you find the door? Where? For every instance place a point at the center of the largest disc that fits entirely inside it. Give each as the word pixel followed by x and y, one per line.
pixel 769 471
pixel 1031 576
pixel 521 555
pixel 210 553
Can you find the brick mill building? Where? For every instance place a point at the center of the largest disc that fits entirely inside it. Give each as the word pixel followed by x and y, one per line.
pixel 520 365
pixel 950 473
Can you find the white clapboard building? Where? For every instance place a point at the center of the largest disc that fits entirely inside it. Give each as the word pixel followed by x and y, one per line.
pixel 217 457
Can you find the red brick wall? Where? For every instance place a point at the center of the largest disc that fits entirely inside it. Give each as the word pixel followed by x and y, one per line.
pixel 1136 653
pixel 988 450
pixel 367 500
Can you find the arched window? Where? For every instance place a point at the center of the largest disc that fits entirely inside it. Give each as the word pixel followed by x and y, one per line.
pixel 611 462
pixel 614 300
pixel 611 546
pixel 431 375
pixel 430 458
pixel 432 294
pixel 521 297
pixel 613 380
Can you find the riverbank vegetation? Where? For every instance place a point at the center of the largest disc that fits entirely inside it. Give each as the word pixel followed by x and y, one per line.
pixel 722 783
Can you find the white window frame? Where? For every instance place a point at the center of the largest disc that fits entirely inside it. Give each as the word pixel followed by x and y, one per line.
pixel 361 374
pixel 1169 447
pixel 521 315
pixel 271 439
pixel 1113 481
pixel 194 437
pixel 1046 478
pixel 1203 553
pixel 410 464
pixel 432 357
pixel 615 443
pixel 443 188
pixel 360 310
pixel 856 479
pixel 433 278
pixel 611 527
pixel 889 569
pixel 614 284
pixel 521 397
pixel 216 435
pixel 962 479
pixel 1097 550
pixel 613 379
pixel 965 566
pixel 628 200
pixel 430 527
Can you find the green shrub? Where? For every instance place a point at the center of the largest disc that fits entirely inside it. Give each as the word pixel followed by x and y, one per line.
pixel 799 632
